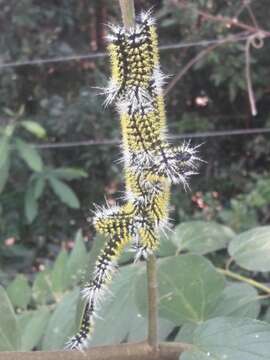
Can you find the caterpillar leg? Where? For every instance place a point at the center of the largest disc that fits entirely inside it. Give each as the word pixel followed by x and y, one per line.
pixel 174 163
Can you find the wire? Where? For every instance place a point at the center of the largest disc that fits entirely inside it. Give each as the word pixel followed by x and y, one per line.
pixel 113 142
pixel 100 55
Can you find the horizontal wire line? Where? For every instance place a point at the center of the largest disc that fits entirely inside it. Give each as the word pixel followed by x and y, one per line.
pixel 113 142
pixel 99 55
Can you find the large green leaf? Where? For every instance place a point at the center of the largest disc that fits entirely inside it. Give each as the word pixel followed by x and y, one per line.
pixel 189 287
pixel 166 246
pixel 33 325
pixel 239 300
pixel 19 292
pixel 4 150
pixel 68 173
pixel 29 154
pixel 121 319
pixel 186 333
pixel 58 273
pixel 4 173
pixel 64 192
pixel 30 205
pixel 39 186
pixel 266 316
pixel 230 339
pixel 62 323
pixel 119 311
pixel 34 128
pixel 97 245
pixel 201 237
pixel 10 336
pixel 251 249
pixel 77 262
pixel 42 287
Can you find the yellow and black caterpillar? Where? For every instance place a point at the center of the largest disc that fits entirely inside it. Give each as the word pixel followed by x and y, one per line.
pixel 151 164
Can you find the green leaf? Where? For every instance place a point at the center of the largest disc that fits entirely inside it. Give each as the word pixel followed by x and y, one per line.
pixel 64 192
pixel 34 128
pixel 201 237
pixel 19 292
pixel 251 249
pixel 166 246
pixel 238 300
pixel 9 112
pixel 69 173
pixel 186 333
pixel 10 336
pixel 231 339
pixel 62 324
pixel 77 262
pixel 29 154
pixel 4 150
pixel 266 317
pixel 30 205
pixel 39 186
pixel 33 325
pixel 120 312
pixel 97 245
pixel 58 272
pixel 189 287
pixel 42 287
pixel 4 173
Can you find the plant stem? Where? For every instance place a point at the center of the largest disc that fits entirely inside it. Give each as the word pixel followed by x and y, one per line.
pixel 128 12
pixel 128 15
pixel 152 301
pixel 247 280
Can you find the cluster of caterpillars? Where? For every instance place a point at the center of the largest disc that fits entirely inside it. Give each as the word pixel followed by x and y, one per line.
pixel 151 163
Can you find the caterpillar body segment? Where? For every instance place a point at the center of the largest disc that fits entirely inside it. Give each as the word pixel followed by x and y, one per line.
pixel 151 163
pixel 81 339
pixel 134 54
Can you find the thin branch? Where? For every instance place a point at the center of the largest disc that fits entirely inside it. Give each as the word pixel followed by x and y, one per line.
pixel 256 41
pixel 128 12
pixel 252 16
pixel 189 65
pixel 245 279
pixel 220 18
pixel 131 351
pixel 199 56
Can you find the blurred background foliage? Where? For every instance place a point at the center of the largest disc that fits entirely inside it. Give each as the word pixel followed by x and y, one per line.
pixel 48 193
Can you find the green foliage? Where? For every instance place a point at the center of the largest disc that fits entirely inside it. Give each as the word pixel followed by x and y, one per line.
pixel 251 249
pixel 19 292
pixel 233 187
pixel 189 287
pixel 201 237
pixel 9 327
pixel 230 338
pixel 33 182
pixel 61 324
pixel 193 295
pixel 58 102
pixel 33 325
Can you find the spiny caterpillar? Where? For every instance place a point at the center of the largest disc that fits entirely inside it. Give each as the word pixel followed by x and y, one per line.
pixel 151 163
